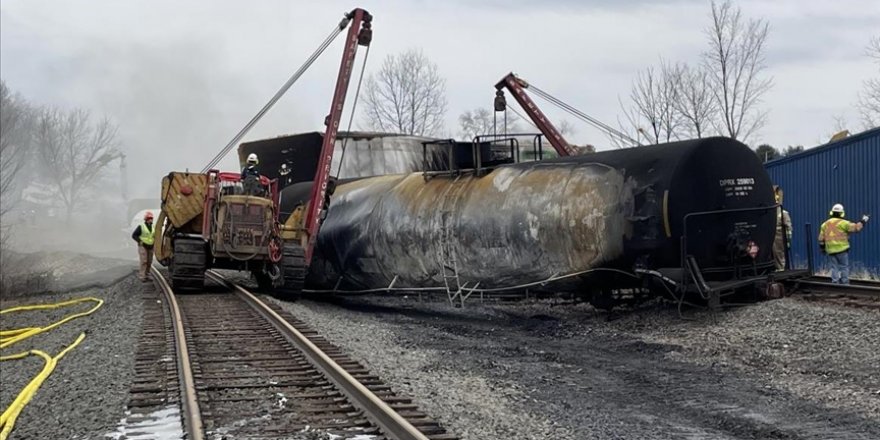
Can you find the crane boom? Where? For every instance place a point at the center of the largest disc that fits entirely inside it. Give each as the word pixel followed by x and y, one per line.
pixel 517 87
pixel 359 34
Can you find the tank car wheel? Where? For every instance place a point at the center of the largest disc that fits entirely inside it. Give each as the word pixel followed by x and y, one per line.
pixel 293 268
pixel 188 264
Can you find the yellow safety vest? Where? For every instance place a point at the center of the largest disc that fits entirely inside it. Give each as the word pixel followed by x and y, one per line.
pixel 835 234
pixel 147 234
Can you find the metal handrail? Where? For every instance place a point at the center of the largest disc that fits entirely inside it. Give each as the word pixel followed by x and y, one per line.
pixel 714 212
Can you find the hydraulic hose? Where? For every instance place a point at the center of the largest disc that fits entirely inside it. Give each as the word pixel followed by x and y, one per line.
pixel 9 337
pixel 7 419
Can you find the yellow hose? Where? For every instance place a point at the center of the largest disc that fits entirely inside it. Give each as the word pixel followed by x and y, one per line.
pixel 9 337
pixel 7 419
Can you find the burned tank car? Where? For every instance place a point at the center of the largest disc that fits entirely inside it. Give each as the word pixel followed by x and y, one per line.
pixel 520 223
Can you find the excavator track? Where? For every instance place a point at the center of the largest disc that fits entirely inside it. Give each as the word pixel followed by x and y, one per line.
pixel 294 269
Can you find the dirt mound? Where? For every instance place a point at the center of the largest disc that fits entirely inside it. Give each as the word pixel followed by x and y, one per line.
pixel 45 272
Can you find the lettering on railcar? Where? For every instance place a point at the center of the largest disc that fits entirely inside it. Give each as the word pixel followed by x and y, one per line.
pixel 737 186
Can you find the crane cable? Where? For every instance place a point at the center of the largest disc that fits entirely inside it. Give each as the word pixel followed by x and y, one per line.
pixel 9 337
pixel 357 93
pixel 229 146
pixel 582 116
pixel 527 120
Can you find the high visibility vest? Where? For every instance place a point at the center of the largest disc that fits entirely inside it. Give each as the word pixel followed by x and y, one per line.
pixel 835 234
pixel 147 234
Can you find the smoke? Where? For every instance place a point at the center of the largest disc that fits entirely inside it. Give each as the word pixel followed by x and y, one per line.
pixel 178 85
pixel 175 109
pixel 177 91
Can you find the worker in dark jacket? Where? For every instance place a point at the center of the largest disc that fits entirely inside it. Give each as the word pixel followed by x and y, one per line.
pixel 143 236
pixel 250 176
pixel 250 169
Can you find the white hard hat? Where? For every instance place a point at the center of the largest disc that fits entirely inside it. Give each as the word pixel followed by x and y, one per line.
pixel 252 158
pixel 837 208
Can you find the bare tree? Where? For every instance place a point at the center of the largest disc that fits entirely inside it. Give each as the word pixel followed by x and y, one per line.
pixel 480 121
pixel 695 102
pixel 670 118
pixel 735 64
pixel 14 118
pixel 566 128
pixel 869 98
pixel 73 151
pixel 653 111
pixel 407 95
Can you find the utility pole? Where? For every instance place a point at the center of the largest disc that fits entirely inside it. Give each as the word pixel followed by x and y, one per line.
pixel 123 177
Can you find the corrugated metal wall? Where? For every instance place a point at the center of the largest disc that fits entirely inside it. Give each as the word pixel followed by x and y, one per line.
pixel 846 172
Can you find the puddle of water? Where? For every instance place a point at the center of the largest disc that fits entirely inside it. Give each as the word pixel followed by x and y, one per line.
pixel 163 424
pixel 357 437
pixel 308 430
pixel 223 432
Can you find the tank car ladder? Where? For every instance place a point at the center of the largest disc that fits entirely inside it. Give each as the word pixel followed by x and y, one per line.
pixel 446 256
pixel 448 261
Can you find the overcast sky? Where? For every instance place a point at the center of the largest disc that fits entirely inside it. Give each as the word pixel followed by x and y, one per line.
pixel 182 77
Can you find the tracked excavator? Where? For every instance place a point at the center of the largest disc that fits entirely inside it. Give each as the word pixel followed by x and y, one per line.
pixel 214 219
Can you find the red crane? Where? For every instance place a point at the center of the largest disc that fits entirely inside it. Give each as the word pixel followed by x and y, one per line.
pixel 517 87
pixel 359 34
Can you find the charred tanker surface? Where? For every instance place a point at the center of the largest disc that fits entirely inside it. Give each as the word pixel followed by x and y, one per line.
pixel 513 225
pixel 525 222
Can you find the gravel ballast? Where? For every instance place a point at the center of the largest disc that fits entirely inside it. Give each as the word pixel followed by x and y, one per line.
pixel 537 370
pixel 85 396
pixel 526 370
pixel 824 352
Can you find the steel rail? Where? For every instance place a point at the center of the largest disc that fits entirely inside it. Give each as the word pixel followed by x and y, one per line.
pixel 192 415
pixel 389 421
pixel 819 285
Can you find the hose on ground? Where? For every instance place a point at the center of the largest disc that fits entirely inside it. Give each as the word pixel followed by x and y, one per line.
pixel 9 337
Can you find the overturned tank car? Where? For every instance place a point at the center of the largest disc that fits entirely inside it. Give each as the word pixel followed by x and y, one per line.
pixel 692 216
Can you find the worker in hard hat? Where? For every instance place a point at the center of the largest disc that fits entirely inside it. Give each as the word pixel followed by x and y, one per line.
pixel 143 236
pixel 834 242
pixel 250 168
pixel 782 241
pixel 250 175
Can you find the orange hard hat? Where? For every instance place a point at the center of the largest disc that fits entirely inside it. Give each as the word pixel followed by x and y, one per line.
pixel 148 215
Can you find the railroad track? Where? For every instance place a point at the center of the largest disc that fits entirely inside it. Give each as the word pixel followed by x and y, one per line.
pixel 863 294
pixel 240 368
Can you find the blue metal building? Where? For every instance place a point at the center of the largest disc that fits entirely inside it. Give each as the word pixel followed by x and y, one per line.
pixel 847 172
